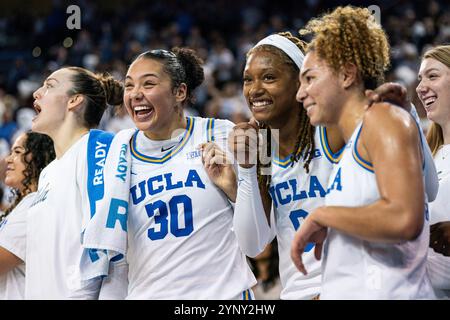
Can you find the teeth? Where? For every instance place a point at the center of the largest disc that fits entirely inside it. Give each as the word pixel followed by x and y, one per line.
pixel 36 107
pixel 429 101
pixel 261 103
pixel 141 108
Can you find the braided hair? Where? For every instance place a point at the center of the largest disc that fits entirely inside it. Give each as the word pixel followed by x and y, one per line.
pixel 304 145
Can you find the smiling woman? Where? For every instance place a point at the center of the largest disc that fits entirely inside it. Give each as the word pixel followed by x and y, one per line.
pixel 302 159
pixel 30 153
pixel 433 91
pixel 181 244
pixel 376 234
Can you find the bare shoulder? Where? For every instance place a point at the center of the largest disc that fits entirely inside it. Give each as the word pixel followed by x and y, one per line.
pixel 387 119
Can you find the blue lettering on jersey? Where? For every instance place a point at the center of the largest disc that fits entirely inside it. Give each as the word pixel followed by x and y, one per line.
pixel 157 184
pixel 336 185
pixel 287 191
pixel 316 154
pixel 193 154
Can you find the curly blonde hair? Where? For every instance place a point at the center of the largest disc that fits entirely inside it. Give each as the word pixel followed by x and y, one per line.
pixel 351 35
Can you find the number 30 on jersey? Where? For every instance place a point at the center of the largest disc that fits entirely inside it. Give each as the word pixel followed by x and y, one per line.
pixel 166 215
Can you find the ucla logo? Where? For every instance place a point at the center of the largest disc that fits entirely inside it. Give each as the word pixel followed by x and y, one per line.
pixel 336 185
pixel 288 191
pixel 164 182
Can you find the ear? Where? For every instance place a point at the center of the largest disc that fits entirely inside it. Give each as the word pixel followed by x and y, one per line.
pixel 75 101
pixel 181 93
pixel 349 75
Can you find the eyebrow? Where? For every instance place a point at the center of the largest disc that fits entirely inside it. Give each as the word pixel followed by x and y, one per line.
pixel 429 70
pixel 305 72
pixel 144 76
pixel 18 147
pixel 432 69
pixel 48 79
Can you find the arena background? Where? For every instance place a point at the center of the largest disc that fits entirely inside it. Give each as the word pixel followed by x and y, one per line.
pixel 35 39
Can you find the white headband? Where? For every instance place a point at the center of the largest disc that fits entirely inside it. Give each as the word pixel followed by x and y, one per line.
pixel 285 45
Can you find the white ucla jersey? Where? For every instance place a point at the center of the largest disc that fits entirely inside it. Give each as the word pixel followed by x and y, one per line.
pixel 295 194
pixel 54 230
pixel 13 238
pixel 438 264
pixel 358 269
pixel 181 244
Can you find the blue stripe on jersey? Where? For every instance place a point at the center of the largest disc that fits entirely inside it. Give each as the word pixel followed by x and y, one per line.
pixel 246 295
pixel 171 153
pixel 332 157
pixel 421 142
pixel 285 162
pixel 210 130
pixel 359 160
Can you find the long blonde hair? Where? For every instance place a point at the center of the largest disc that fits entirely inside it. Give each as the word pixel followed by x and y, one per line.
pixel 435 135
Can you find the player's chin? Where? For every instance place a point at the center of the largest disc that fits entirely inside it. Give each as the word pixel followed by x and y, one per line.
pixel 38 127
pixel 315 121
pixel 144 125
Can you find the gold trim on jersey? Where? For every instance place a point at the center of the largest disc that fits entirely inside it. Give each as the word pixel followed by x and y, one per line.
pixel 332 157
pixel 209 130
pixel 359 160
pixel 171 153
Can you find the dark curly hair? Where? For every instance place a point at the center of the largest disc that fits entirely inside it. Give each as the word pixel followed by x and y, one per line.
pixel 42 152
pixel 183 65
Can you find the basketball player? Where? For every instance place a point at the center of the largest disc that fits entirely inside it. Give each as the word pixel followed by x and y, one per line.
pixel 432 90
pixel 30 153
pixel 180 239
pixel 70 102
pixel 302 160
pixel 377 235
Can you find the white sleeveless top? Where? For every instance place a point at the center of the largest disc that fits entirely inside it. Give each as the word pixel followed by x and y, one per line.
pixel 181 244
pixel 295 194
pixel 358 269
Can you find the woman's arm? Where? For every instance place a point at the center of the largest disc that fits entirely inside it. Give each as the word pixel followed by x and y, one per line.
pixel 390 141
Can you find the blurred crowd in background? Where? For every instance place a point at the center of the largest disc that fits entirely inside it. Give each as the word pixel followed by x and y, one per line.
pixel 35 40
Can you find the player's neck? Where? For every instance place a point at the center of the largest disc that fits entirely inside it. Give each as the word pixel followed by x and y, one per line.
pixel 287 135
pixel 446 132
pixel 65 137
pixel 351 115
pixel 168 131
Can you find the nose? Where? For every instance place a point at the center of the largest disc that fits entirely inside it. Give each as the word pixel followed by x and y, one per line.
pixel 37 94
pixel 421 88
pixel 136 94
pixel 301 93
pixel 256 89
pixel 8 158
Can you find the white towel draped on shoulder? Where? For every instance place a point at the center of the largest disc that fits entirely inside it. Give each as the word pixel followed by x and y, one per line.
pixel 104 236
